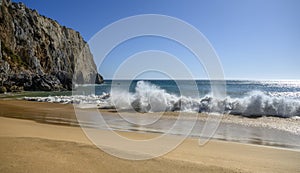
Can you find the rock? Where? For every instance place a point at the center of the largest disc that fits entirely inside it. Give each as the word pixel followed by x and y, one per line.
pixel 2 89
pixel 0 52
pixel 136 105
pixel 15 88
pixel 99 79
pixel 39 54
pixel 66 79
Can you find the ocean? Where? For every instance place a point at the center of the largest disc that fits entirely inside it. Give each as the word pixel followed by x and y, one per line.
pixel 246 98
pixel 256 112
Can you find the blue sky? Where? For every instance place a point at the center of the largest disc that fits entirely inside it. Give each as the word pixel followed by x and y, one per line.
pixel 254 39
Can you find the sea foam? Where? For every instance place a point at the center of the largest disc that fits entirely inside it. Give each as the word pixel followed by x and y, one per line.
pixel 151 98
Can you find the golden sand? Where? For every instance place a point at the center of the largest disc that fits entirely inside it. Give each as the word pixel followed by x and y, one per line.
pixel 31 146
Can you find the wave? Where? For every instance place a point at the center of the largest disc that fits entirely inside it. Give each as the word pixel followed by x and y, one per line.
pixel 257 103
pixel 151 98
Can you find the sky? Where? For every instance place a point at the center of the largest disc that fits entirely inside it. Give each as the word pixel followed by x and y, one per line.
pixel 254 39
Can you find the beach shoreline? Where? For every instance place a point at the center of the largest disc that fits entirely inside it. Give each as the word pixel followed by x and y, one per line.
pixel 56 140
pixel 267 131
pixel 46 139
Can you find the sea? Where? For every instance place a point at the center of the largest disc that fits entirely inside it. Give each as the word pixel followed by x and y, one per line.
pixel 257 112
pixel 242 97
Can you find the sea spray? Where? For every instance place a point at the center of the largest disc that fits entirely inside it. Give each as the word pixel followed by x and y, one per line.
pixel 148 97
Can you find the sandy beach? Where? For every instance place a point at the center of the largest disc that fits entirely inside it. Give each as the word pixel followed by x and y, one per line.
pixel 28 143
pixel 149 86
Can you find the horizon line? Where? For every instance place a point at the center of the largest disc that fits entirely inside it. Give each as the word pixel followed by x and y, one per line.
pixel 241 79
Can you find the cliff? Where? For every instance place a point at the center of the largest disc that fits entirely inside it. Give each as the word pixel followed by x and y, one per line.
pixel 39 54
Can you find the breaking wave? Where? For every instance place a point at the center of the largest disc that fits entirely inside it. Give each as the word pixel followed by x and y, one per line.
pixel 151 98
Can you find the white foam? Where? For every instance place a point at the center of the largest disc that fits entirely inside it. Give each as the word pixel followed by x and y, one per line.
pixel 258 104
pixel 151 98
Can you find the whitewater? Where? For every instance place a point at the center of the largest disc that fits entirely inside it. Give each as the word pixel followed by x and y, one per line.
pixel 245 98
pixel 255 112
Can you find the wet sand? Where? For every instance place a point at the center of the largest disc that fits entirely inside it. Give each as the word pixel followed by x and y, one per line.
pixel 27 145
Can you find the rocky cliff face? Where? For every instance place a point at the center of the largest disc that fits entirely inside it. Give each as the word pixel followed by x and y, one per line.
pixel 39 54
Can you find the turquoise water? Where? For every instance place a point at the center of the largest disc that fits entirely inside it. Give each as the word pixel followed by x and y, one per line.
pixel 248 98
pixel 234 88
